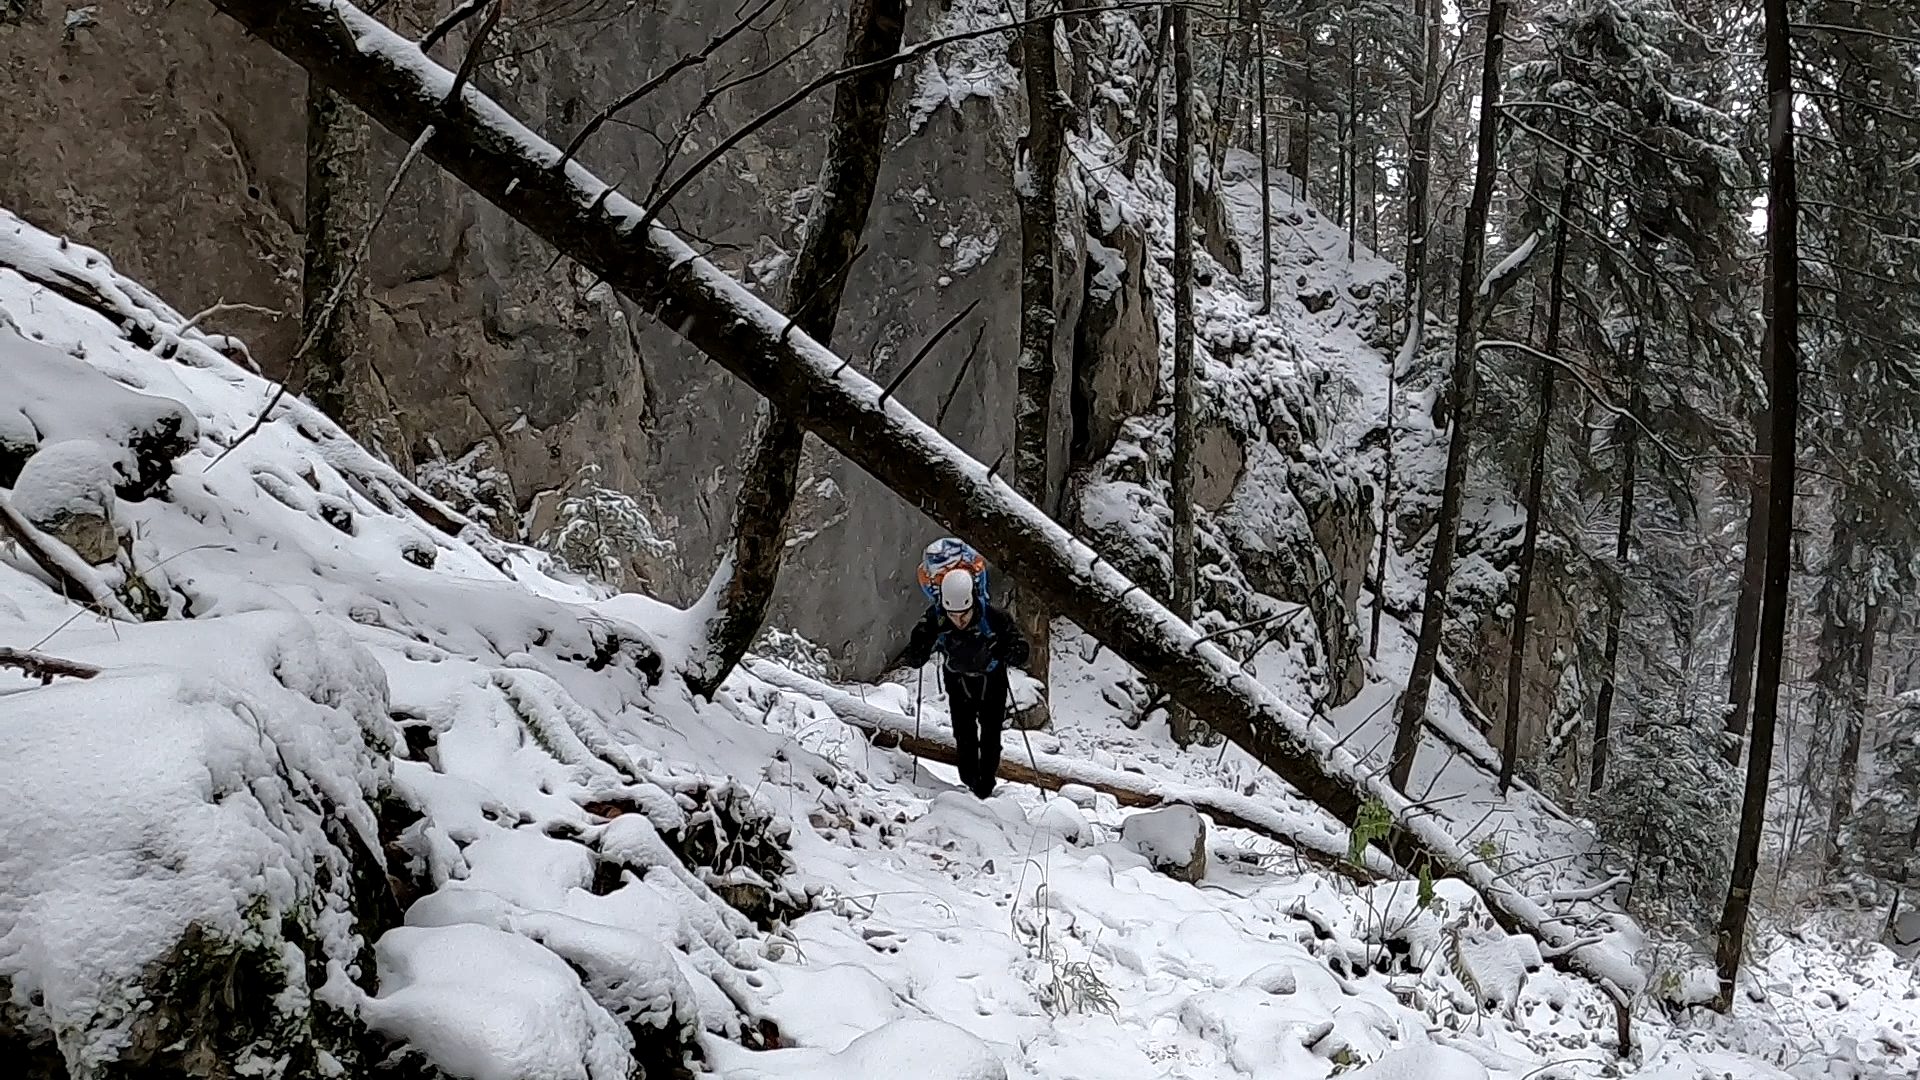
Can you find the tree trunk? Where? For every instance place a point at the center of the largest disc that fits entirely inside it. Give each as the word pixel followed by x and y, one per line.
pixel 1622 549
pixel 1420 113
pixel 741 588
pixel 1536 485
pixel 1146 110
pixel 1784 335
pixel 1180 495
pixel 1266 181
pixel 1433 612
pixel 1080 45
pixel 891 730
pixel 510 166
pixel 1225 116
pixel 1846 773
pixel 1047 111
pixel 1353 135
pixel 1300 124
pixel 339 207
pixel 1753 580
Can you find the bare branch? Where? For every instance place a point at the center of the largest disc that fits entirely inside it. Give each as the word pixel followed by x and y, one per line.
pixel 221 307
pixel 459 15
pixel 1599 397
pixel 644 89
pixel 925 349
pixel 45 668
pixel 913 52
pixel 75 578
pixel 472 59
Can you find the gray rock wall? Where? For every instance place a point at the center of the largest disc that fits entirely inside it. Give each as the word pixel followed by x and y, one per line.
pixel 159 134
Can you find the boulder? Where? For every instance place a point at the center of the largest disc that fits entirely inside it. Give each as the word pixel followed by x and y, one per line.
pixel 1173 841
pixel 47 396
pixel 1218 460
pixel 66 491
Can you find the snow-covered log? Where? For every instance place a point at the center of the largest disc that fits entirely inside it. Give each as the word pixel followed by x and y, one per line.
pixel 1022 765
pixel 477 141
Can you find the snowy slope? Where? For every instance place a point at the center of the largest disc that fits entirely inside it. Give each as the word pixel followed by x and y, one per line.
pixel 335 685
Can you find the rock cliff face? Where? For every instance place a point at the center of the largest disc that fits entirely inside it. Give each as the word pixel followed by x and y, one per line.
pixel 159 134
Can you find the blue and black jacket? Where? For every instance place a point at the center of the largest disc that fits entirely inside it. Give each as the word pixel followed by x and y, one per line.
pixel 986 644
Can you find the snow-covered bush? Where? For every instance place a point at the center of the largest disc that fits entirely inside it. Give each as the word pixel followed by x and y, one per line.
pixel 472 485
pixel 795 653
pixel 604 533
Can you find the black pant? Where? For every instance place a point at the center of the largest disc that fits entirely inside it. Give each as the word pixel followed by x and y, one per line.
pixel 979 705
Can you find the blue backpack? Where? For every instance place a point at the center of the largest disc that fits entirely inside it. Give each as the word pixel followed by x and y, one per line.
pixel 948 554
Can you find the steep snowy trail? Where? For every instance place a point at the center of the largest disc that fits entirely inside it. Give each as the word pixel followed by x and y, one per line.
pixel 336 680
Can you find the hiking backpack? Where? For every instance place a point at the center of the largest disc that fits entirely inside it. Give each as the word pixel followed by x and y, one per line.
pixel 951 554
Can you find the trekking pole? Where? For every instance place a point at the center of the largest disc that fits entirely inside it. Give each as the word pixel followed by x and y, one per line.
pixel 919 696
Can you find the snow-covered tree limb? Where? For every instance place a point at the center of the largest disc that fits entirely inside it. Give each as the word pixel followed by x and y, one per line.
pixel 478 142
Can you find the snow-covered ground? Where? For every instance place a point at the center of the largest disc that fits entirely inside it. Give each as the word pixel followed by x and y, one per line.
pixel 338 676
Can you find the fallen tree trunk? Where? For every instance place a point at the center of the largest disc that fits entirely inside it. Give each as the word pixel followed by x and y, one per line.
pixel 477 141
pixel 1018 763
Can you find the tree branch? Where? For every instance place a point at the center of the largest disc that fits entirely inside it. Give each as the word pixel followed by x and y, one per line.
pixel 45 668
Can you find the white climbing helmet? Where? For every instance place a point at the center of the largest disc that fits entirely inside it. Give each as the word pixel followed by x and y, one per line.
pixel 956 590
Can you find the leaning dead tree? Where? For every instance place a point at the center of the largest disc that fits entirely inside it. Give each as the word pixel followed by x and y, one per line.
pixel 478 142
pixel 742 587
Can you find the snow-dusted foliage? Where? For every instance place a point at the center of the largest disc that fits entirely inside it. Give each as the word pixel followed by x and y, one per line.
pixel 603 533
pixel 472 485
pixel 1669 809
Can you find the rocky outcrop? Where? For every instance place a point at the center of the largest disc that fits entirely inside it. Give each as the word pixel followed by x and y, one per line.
pixel 1481 643
pixel 163 136
pixel 1116 352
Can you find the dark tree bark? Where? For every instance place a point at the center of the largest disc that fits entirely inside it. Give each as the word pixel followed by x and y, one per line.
pixel 742 586
pixel 1146 110
pixel 1622 549
pixel 1181 494
pixel 1420 113
pixel 1266 163
pixel 339 208
pixel 1753 580
pixel 1536 485
pixel 1352 195
pixel 1461 394
pixel 480 144
pixel 1048 111
pixel 1226 114
pixel 1783 271
pixel 1080 46
pixel 1300 125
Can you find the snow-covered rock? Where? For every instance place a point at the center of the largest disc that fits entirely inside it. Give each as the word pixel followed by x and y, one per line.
pixel 66 490
pixel 1173 841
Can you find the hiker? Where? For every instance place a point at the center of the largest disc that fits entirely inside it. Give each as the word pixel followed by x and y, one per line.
pixel 977 643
